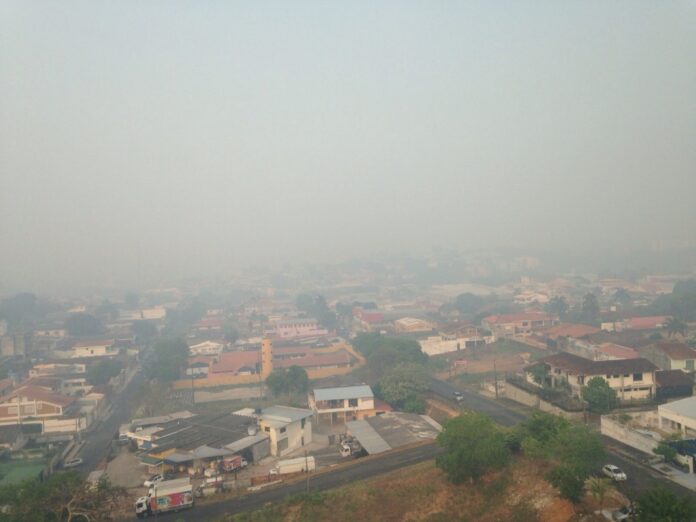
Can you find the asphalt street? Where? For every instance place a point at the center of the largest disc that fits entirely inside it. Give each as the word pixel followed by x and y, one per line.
pixel 360 469
pixel 98 440
pixel 640 477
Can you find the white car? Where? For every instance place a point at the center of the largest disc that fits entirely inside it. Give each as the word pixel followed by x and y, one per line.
pixel 614 472
pixel 72 463
pixel 624 513
pixel 154 479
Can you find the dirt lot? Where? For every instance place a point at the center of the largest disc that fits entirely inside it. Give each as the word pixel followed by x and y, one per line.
pixel 421 492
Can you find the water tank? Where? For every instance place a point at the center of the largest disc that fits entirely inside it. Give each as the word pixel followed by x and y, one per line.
pixel 251 430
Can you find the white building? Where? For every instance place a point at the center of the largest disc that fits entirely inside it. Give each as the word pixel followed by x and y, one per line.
pixel 439 344
pixel 344 403
pixel 288 428
pixel 206 348
pixel 679 416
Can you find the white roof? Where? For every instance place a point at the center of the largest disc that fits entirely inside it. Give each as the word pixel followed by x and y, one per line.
pixel 684 407
pixel 343 392
pixel 369 439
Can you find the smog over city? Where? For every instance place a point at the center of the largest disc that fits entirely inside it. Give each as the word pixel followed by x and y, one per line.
pixel 245 243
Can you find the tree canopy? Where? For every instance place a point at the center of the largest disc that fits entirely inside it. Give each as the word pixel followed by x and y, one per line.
pixel 103 371
pixel 62 497
pixel 599 395
pixel 474 445
pixel 402 387
pixel 468 303
pixel 83 325
pixel 170 357
pixel 661 505
pixel 293 380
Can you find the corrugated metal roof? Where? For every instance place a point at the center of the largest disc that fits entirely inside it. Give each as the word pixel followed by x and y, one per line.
pixel 368 438
pixel 285 413
pixel 246 442
pixel 343 392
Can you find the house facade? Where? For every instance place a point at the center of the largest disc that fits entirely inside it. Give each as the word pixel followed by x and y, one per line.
pixel 342 403
pixel 523 324
pixel 672 356
pixel 632 379
pixel 288 428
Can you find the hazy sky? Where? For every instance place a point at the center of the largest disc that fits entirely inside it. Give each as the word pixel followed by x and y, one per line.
pixel 198 136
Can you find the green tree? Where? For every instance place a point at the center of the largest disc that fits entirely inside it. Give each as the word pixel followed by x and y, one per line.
pixel 62 497
pixel 540 374
pixel 676 326
pixel 144 331
pixel 622 298
pixel 82 325
pixel 473 446
pixel 590 307
pixel 103 371
pixel 383 352
pixel 293 380
pixel 403 384
pixel 170 356
pixel 661 505
pixel 557 305
pixel 569 479
pixel 599 487
pixel 578 446
pixel 666 451
pixel 468 303
pixel 599 395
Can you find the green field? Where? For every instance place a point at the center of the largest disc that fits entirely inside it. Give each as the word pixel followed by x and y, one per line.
pixel 13 471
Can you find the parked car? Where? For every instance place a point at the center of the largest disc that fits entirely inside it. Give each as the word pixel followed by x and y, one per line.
pixel 624 513
pixel 457 395
pixel 613 472
pixel 72 463
pixel 154 479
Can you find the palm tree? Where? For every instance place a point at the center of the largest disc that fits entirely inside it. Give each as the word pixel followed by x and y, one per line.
pixel 599 487
pixel 675 326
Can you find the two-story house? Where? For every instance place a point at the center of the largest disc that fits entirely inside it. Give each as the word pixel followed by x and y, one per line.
pixel 632 379
pixel 672 355
pixel 523 324
pixel 344 403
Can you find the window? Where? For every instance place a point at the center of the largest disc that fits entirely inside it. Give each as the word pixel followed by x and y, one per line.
pixel 626 375
pixel 283 430
pixel 302 423
pixel 608 376
pixel 267 429
pixel 581 379
pixel 637 376
pixel 690 364
pixel 353 403
pixel 616 376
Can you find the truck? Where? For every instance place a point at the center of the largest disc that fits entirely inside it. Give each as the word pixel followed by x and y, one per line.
pixel 294 465
pixel 165 496
pixel 233 463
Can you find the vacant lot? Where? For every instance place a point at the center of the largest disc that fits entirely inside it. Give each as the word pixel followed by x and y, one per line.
pixel 421 492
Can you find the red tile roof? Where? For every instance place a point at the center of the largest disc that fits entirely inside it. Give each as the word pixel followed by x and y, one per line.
pixel 36 393
pixel 676 351
pixel 232 362
pixel 618 351
pixel 571 330
pixel 314 360
pixel 645 323
pixel 580 365
pixel 515 318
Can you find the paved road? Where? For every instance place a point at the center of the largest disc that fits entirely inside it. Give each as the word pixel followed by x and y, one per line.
pixel 362 469
pixel 99 439
pixel 640 478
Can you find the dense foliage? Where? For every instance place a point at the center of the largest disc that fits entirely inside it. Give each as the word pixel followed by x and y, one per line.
pixel 661 505
pixel 402 386
pixel 599 395
pixel 81 325
pixel 170 357
pixel 574 451
pixel 62 497
pixel 474 445
pixel 103 371
pixel 288 381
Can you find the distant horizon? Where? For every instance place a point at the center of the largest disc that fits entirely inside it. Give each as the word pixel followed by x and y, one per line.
pixel 157 141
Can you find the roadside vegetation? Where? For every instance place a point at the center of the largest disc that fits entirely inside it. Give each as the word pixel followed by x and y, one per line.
pixel 64 497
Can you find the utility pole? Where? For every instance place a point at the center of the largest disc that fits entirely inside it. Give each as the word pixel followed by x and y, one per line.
pixel 495 376
pixel 306 469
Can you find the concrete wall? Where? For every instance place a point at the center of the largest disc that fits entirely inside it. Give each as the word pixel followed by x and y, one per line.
pixel 628 436
pixel 516 394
